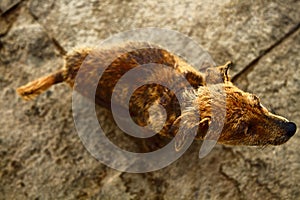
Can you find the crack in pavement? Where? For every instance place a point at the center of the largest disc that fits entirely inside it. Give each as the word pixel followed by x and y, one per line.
pixel 55 42
pixel 265 52
pixel 232 180
pixel 57 45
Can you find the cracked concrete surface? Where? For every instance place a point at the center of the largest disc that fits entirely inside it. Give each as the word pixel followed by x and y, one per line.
pixel 43 158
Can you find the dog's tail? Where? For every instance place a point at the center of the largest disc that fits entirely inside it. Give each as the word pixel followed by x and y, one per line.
pixel 34 88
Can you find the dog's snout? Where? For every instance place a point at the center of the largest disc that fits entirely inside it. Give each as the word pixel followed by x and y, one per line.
pixel 290 128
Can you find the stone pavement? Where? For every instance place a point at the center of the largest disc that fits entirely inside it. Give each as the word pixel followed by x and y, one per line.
pixel 43 158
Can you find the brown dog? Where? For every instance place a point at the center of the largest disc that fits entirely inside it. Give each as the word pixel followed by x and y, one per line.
pixel 246 121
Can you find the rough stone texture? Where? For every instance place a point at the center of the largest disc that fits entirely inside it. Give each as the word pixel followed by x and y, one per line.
pixel 43 158
pixel 6 5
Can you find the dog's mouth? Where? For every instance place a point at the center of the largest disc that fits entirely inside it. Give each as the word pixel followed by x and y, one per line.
pixel 287 130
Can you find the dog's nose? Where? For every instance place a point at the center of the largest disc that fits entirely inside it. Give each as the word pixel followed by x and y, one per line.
pixel 290 129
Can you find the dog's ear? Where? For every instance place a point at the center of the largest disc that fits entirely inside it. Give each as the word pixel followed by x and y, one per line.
pixel 225 69
pixel 205 122
pixel 192 130
pixel 219 74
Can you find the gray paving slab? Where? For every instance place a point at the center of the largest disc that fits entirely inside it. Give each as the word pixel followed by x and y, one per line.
pixel 42 156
